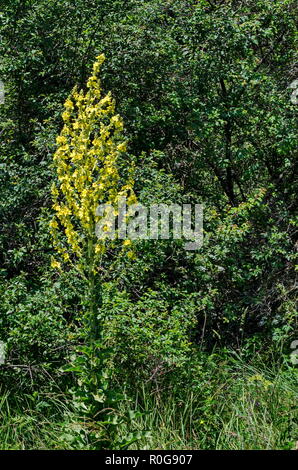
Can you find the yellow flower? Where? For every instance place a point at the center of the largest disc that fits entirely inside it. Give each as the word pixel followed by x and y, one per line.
pixel 55 264
pixel 261 380
pixel 68 104
pixel 66 116
pixel 61 140
pixel 65 256
pixel 131 255
pixel 122 147
pixel 99 249
pixel 100 59
pixel 53 224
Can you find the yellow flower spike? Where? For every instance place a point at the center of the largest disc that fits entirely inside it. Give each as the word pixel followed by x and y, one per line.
pixel 86 161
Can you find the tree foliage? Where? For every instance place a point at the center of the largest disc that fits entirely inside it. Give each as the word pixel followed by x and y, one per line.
pixel 204 89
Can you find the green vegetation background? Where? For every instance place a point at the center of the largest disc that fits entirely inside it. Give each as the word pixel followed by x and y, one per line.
pixel 200 340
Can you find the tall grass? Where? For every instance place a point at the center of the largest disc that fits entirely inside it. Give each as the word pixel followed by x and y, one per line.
pixel 224 404
pixel 240 406
pixel 31 422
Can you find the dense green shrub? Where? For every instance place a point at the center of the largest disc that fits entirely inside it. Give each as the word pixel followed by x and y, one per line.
pixel 203 88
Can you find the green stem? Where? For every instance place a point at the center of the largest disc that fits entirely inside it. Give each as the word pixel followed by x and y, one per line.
pixel 93 300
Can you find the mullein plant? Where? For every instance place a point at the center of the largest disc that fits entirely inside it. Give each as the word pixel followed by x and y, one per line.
pixel 86 159
pixel 89 149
